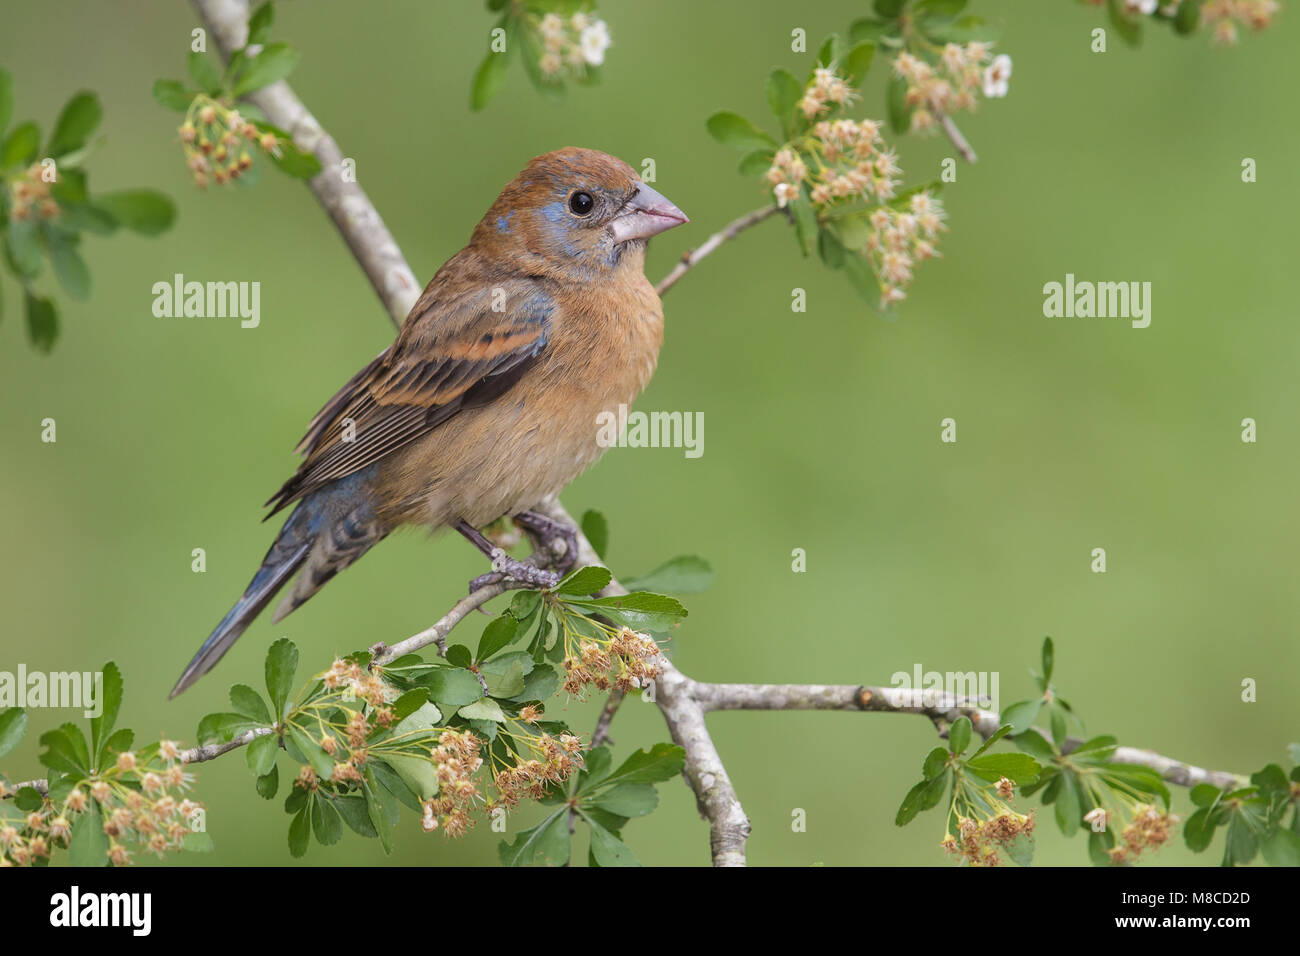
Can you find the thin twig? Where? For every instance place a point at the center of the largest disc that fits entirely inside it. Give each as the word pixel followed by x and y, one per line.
pixel 691 258
pixel 963 145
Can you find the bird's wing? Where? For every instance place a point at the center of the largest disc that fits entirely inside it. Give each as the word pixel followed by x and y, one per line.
pixel 455 354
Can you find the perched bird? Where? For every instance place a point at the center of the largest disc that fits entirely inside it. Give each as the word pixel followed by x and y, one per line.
pixel 487 402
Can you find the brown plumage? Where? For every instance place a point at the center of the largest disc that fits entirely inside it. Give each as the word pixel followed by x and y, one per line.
pixel 488 400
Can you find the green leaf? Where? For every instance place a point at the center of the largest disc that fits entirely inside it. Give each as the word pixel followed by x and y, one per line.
pixel 62 752
pixel 640 610
pixel 1021 715
pixel 687 574
pixel 596 530
pixel 274 63
pixel 173 95
pixel 661 762
pixel 70 268
pixel 261 754
pixel 830 249
pixel 546 844
pixel 222 728
pixel 488 79
pixel 141 210
pixel 607 849
pixel 732 129
pixel 888 9
pixel 259 24
pixel 830 50
pixel 783 92
pixel 805 223
pixel 483 709
pixel 1282 848
pixel 871 29
pixel 28 799
pixel 204 73
pixel 1069 809
pixel 994 738
pixel 940 8
pixel 539 684
pixel 42 322
pixel 268 784
pixel 88 844
pixel 1056 719
pixel 79 118
pixel 1021 769
pixel 628 800
pixel 13 721
pixel 1241 842
pixel 1186 20
pixel 1127 25
pixel 21 146
pixel 858 61
pixel 1049 658
pixel 23 247
pixel 326 822
pixel 353 811
pixel 452 686
pixel 1204 794
pixel 292 161
pixel 498 634
pixel 249 702
pixel 1198 831
pixel 586 580
pixel 900 114
pixel 752 164
pixel 281 664
pixel 508 681
pixel 923 796
pixel 936 762
pixel 101 727
pixel 959 735
pixel 299 833
pixel 314 753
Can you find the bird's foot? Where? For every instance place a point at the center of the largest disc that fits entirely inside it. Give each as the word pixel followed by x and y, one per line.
pixel 549 533
pixel 505 568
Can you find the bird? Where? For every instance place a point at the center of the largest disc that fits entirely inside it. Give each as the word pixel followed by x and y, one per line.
pixel 487 402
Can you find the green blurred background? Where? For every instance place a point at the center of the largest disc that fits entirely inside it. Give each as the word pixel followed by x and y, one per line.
pixel 822 428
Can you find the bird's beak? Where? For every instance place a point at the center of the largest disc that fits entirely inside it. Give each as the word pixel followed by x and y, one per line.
pixel 647 214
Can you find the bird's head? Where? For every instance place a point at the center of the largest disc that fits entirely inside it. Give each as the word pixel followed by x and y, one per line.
pixel 577 210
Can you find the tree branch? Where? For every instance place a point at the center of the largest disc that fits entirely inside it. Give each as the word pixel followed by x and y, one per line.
pixel 354 215
pixel 691 258
pixel 963 146
pixel 683 701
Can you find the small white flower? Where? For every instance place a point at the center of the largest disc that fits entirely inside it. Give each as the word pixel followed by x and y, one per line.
pixel 784 193
pixel 551 26
pixel 594 42
pixel 997 78
pixel 1144 7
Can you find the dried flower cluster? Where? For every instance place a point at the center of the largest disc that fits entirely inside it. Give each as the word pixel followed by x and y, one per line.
pixel 981 842
pixel 571 44
pixel 549 760
pixel 953 82
pixel 31 194
pixel 849 162
pixel 216 141
pixel 1149 829
pixel 628 659
pixel 140 800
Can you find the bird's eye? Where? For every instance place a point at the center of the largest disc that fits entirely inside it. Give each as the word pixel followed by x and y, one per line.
pixel 581 204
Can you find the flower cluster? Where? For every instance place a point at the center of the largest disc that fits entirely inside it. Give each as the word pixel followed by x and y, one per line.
pixel 140 800
pixel 456 761
pixel 1149 829
pixel 626 660
pixel 825 91
pixel 901 238
pixel 981 842
pixel 571 44
pixel 546 760
pixel 953 82
pixel 1223 16
pixel 31 194
pixel 849 162
pixel 216 141
pixel 358 684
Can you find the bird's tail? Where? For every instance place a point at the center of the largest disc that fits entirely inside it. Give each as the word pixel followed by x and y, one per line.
pixel 318 539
